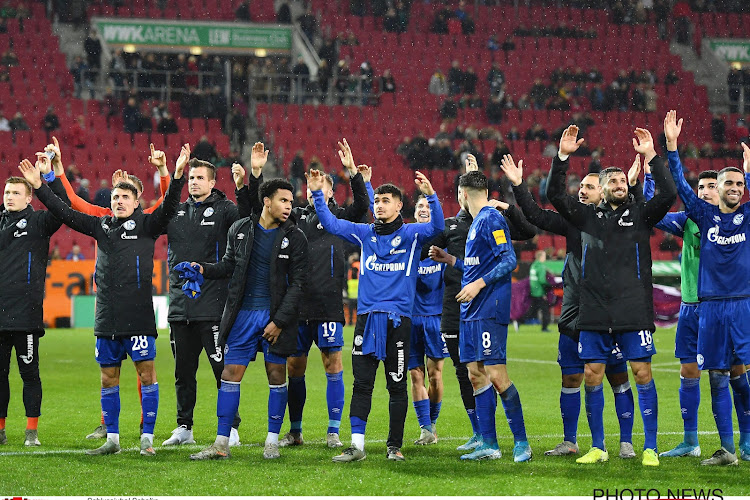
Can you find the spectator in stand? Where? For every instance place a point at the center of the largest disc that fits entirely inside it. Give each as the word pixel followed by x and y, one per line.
pixel 492 44
pixel 538 94
pixel 595 165
pixel 131 121
pixel 513 134
pixel 17 123
pixel 651 98
pixel 92 46
pixel 449 109
pixel 438 84
pixel 205 151
pixel 54 254
pixel 103 194
pixel 284 14
pixel 308 23
pixel 75 254
pixel 596 98
pixel 4 124
pixel 470 80
pixel 455 79
pixel 78 133
pixel 467 26
pixel 50 121
pixel 495 110
pixel 167 125
pixel 707 151
pixel 366 76
pixel 734 84
pixel 718 128
pixel 83 190
pixel 242 13
pixel 440 22
pixel 390 21
pixel 297 169
pixel 301 78
pixel 81 77
pixel 536 133
pixel 508 44
pixel 73 174
pixel 9 58
pixel 328 52
pixel 495 78
pixel 671 78
pixel 387 82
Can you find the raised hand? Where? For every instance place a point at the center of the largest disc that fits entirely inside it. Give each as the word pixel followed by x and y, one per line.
pixel 635 171
pixel 471 163
pixel 238 174
pixel 644 144
pixel 157 158
pixel 745 158
pixel 500 205
pixel 512 172
pixel 258 159
pixel 439 255
pixel 569 141
pixel 345 154
pixel 365 171
pixel 672 129
pixel 424 184
pixel 30 173
pixel 57 160
pixel 182 161
pixel 43 163
pixel 314 180
pixel 118 176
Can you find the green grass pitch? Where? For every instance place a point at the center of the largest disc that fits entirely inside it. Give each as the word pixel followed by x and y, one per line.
pixel 71 410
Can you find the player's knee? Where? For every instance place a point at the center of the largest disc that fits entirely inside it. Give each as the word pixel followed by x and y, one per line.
pixel 276 374
pixel 641 373
pixel 737 370
pixel 593 373
pixel 296 366
pixel 719 380
pixel 689 370
pixel 572 380
pixel 616 379
pixel 231 373
pixel 332 362
pixel 417 377
pixel 436 378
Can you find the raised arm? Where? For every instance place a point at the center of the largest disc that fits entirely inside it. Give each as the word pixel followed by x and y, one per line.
pixel 672 129
pixel 657 207
pixel 83 223
pixel 157 221
pixel 673 223
pixel 429 229
pixel 342 228
pixel 159 160
pixel 358 176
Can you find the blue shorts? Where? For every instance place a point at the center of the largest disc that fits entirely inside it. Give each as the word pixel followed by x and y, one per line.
pixel 245 339
pixel 597 347
pixel 723 333
pixel 686 338
pixel 571 363
pixel 327 335
pixel 482 340
pixel 111 352
pixel 426 340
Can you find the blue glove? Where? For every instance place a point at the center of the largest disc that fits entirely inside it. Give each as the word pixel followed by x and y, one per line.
pixel 194 279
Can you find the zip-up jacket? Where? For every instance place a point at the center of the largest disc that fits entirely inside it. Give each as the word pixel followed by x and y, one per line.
pixel 453 240
pixel 616 292
pixel 198 233
pixel 288 274
pixel 24 249
pixel 125 261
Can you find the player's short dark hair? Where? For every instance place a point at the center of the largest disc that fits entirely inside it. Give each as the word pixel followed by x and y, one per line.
pixel 474 180
pixel 389 189
pixel 128 187
pixel 708 174
pixel 268 188
pixel 136 181
pixel 20 180
pixel 210 167
pixel 725 171
pixel 604 174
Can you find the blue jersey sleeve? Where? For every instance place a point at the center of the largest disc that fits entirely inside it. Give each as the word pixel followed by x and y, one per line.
pixel 673 223
pixel 497 237
pixel 428 230
pixel 350 231
pixel 371 195
pixel 694 206
pixel 648 186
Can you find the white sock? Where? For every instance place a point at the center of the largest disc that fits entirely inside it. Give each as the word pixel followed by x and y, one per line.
pixel 115 437
pixel 149 436
pixel 222 441
pixel 358 441
pixel 273 438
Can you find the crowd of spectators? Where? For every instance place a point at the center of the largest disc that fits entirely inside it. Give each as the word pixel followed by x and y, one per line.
pixel 560 30
pixel 738 85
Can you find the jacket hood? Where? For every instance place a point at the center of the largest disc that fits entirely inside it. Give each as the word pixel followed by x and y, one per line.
pixel 216 195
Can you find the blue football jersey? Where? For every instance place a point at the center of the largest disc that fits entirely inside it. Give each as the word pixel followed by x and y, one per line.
pixel 388 271
pixel 429 298
pixel 724 270
pixel 487 246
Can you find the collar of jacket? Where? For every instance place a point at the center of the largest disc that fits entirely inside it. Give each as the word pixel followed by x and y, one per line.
pixel 17 215
pixel 215 196
pixel 310 208
pixel 606 207
pixel 464 215
pixel 286 226
pixel 386 228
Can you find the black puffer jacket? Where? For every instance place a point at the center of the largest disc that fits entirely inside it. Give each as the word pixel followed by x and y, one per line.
pixel 125 261
pixel 199 233
pixel 616 286
pixel 24 249
pixel 288 274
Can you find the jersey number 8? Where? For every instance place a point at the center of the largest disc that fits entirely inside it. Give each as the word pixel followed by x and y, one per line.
pixel 486 340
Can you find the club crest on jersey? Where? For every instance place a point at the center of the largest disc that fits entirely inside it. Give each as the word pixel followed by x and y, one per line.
pixel 21 224
pixel 284 243
pixel 396 241
pixel 208 212
pixel 599 214
pixel 129 225
pixel 737 219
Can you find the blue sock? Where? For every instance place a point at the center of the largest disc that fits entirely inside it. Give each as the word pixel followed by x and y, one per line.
pixel 741 390
pixel 690 398
pixel 111 408
pixel 297 396
pixel 277 399
pixel 435 411
pixel 595 414
pixel 150 406
pixel 335 399
pixel 227 403
pixel 570 410
pixel 486 401
pixel 358 425
pixel 472 413
pixel 514 412
pixel 422 408
pixel 625 407
pixel 649 404
pixel 721 404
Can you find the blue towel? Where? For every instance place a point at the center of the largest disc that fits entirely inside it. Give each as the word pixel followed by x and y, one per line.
pixel 376 332
pixel 194 279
